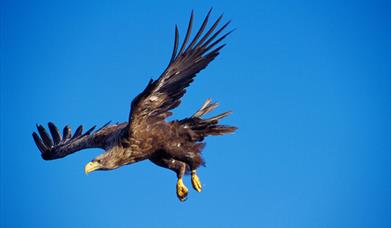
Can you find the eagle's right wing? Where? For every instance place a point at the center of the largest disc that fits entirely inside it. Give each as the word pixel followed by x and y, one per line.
pixel 58 146
pixel 160 96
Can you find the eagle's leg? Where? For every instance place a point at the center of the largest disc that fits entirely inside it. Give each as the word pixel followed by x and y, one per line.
pixel 195 181
pixel 181 189
pixel 194 160
pixel 179 168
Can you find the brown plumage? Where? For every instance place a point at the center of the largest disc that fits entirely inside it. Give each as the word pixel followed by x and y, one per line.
pixel 175 145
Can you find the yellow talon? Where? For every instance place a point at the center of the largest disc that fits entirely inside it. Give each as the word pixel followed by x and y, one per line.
pixel 181 190
pixel 196 181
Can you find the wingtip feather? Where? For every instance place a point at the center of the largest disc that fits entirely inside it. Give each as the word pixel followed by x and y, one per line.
pixel 41 146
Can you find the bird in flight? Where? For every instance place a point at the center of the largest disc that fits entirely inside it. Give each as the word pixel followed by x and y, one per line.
pixel 175 145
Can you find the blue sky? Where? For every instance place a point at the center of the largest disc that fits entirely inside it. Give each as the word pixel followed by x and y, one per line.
pixel 309 83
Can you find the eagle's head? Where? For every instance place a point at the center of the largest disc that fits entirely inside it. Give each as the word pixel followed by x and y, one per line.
pixel 111 159
pixel 99 164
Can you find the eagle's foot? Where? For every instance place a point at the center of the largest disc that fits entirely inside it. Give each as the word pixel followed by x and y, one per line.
pixel 196 181
pixel 181 190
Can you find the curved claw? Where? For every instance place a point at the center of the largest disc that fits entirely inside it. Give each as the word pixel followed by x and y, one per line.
pixel 195 181
pixel 181 190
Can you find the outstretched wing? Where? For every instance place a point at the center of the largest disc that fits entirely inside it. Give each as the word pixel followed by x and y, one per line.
pixel 58 146
pixel 164 94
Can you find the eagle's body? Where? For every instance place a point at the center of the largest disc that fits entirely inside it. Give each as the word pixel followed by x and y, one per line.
pixel 175 145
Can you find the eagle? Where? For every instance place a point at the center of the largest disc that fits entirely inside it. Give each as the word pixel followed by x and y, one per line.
pixel 175 145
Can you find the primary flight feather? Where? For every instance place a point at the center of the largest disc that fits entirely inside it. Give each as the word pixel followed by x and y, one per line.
pixel 175 145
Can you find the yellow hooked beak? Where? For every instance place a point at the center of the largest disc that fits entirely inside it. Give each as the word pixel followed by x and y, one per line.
pixel 91 166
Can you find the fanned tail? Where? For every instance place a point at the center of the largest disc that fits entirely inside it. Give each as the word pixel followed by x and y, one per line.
pixel 204 127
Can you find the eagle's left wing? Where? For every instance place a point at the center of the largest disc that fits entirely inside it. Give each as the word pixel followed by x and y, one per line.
pixel 58 146
pixel 164 94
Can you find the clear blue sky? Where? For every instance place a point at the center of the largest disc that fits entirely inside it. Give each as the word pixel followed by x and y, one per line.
pixel 309 83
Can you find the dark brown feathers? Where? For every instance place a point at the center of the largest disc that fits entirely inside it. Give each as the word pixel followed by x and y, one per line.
pixel 164 94
pixel 58 146
pixel 147 134
pixel 204 127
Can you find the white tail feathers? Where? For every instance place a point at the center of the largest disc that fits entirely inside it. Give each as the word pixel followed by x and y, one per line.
pixel 215 119
pixel 204 127
pixel 205 108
